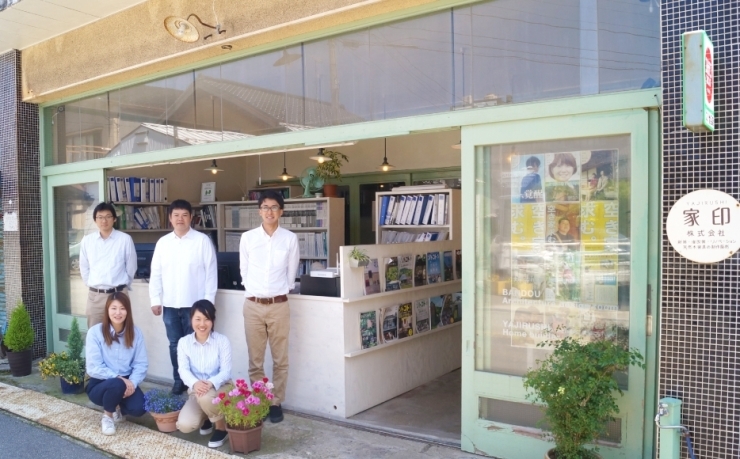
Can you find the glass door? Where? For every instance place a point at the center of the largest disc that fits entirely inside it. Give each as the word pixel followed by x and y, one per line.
pixel 559 247
pixel 72 199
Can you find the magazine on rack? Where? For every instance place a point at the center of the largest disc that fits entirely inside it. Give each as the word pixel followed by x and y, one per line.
pixel 434 270
pixel 369 329
pixel 392 281
pixel 405 321
pixel 406 270
pixel 447 268
pixel 420 270
pixel 421 315
pixel 458 264
pixel 390 323
pixel 372 277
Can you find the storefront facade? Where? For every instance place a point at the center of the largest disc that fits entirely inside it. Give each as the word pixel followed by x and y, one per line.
pixel 572 83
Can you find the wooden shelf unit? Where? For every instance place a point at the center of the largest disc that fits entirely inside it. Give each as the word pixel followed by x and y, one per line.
pixel 451 225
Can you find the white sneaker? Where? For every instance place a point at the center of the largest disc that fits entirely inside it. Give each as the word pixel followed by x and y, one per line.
pixel 117 416
pixel 109 427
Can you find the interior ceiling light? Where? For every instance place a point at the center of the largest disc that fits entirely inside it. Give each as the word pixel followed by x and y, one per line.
pixel 184 30
pixel 286 59
pixel 213 168
pixel 384 166
pixel 285 175
pixel 320 156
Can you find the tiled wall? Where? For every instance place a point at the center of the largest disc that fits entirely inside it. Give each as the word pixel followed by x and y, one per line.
pixel 699 352
pixel 19 165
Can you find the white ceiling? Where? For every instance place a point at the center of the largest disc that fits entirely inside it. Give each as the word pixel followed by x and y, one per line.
pixel 28 22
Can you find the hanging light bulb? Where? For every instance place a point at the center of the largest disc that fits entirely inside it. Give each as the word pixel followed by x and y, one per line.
pixel 213 168
pixel 320 156
pixel 385 166
pixel 285 176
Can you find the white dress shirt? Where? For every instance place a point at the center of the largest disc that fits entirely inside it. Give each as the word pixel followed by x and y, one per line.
pixel 268 264
pixel 184 270
pixel 210 361
pixel 107 263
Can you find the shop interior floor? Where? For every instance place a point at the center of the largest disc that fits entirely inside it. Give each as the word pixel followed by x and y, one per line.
pixel 431 412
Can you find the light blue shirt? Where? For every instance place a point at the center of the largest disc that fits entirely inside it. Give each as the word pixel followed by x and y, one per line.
pixel 106 362
pixel 209 361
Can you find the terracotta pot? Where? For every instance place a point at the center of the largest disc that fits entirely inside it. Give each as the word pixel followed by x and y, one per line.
pixel 70 388
pixel 330 190
pixel 20 362
pixel 166 422
pixel 245 440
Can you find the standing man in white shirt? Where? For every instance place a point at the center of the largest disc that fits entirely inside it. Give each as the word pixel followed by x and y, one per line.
pixel 268 261
pixel 107 262
pixel 184 270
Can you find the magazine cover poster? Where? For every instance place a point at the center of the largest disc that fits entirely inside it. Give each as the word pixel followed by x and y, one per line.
pixel 458 264
pixel 406 270
pixel 562 177
pixel 599 175
pixel 405 321
pixel 392 281
pixel 390 323
pixel 435 310
pixel 563 227
pixel 563 277
pixel 527 178
pixel 447 268
pixel 434 268
pixel 372 277
pixel 420 270
pixel 369 329
pixel 456 307
pixel 527 225
pixel 528 275
pixel 600 226
pixel 599 279
pixel 421 315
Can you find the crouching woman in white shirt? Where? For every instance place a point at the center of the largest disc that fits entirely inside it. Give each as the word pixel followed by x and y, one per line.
pixel 116 362
pixel 204 363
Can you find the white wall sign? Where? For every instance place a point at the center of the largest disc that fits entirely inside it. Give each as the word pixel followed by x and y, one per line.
pixel 10 221
pixel 698 82
pixel 704 226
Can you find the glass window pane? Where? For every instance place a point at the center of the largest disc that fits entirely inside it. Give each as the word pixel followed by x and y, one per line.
pixel 554 238
pixel 81 130
pixel 73 209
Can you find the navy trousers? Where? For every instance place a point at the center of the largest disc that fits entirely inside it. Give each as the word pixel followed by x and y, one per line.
pixel 109 394
pixel 177 324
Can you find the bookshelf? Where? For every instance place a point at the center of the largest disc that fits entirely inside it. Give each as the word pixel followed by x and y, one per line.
pixel 317 222
pixel 151 217
pixel 417 215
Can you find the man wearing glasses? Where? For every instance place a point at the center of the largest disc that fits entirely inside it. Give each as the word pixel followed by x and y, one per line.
pixel 268 261
pixel 107 262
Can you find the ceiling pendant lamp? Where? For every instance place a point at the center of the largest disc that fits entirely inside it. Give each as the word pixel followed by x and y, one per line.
pixel 320 156
pixel 385 166
pixel 213 168
pixel 285 175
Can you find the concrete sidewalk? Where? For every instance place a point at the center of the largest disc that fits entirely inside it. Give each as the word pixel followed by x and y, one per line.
pixel 297 436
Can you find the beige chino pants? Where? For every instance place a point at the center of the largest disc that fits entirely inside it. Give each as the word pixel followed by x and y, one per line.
pixel 196 409
pixel 265 323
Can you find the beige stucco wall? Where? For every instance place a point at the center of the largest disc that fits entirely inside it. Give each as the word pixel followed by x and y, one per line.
pixel 134 43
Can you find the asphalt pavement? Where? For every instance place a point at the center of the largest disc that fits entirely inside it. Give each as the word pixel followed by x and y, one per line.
pixel 23 440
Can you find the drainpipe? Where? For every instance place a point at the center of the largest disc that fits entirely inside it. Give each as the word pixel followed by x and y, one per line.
pixel 670 429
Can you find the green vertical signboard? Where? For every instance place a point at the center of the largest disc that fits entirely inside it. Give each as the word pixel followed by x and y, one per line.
pixel 698 81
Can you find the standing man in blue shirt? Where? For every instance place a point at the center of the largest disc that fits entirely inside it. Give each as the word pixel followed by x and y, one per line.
pixel 107 262
pixel 268 261
pixel 184 270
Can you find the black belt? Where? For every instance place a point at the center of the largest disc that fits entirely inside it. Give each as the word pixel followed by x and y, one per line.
pixel 110 290
pixel 275 299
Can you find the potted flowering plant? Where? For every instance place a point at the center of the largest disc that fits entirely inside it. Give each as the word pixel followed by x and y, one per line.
pixel 164 408
pixel 244 409
pixel 576 388
pixel 69 365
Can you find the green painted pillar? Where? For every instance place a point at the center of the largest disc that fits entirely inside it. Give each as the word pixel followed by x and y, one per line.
pixel 669 415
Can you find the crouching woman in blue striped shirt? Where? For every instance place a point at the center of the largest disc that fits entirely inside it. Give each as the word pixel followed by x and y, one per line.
pixel 116 363
pixel 204 363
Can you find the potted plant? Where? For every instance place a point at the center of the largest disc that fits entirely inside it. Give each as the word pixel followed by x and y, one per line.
pixel 68 365
pixel 330 169
pixel 244 409
pixel 19 339
pixel 358 257
pixel 577 390
pixel 164 408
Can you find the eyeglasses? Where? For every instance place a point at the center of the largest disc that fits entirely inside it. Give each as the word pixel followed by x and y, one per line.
pixel 269 208
pixel 104 217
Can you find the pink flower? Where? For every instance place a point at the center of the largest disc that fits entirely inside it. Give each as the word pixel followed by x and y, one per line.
pixel 233 393
pixel 241 405
pixel 256 390
pixel 240 382
pixel 227 403
pixel 221 395
pixel 252 400
pixel 264 380
pixel 245 412
pixel 216 401
pixel 258 385
pixel 270 385
pixel 270 396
